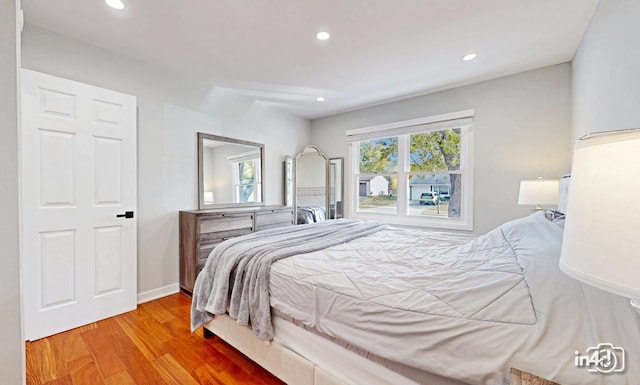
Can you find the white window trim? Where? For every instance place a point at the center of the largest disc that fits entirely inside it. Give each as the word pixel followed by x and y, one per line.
pixel 462 120
pixel 257 184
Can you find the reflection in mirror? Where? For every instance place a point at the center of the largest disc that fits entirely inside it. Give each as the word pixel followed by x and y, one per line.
pixel 311 186
pixel 289 180
pixel 229 172
pixel 336 183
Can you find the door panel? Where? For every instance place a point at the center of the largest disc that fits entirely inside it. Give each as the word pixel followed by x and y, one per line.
pixel 109 259
pixel 107 170
pixel 57 164
pixel 57 103
pixel 58 268
pixel 78 161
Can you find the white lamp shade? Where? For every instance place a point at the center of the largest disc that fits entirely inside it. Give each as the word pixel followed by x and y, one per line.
pixel 539 192
pixel 601 244
pixel 208 197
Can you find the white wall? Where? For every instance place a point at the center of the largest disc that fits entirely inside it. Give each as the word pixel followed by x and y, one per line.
pixel 209 176
pixel 606 78
pixel 171 109
pixel 11 338
pixel 522 129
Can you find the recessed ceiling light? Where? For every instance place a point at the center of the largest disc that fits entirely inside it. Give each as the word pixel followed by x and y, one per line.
pixel 115 4
pixel 470 56
pixel 323 35
pixel 320 99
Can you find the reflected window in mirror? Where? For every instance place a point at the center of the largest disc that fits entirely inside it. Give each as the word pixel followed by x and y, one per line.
pixel 246 177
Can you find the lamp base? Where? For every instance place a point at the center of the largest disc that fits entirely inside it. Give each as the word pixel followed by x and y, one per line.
pixel 635 304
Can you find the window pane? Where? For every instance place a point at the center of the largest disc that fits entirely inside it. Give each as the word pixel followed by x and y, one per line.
pixel 248 185
pixel 246 172
pixel 377 194
pixel 379 155
pixel 435 151
pixel 435 194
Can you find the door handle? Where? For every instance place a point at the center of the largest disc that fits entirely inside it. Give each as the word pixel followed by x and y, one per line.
pixel 127 214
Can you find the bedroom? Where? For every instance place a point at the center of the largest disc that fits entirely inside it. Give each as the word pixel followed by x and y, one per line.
pixel 596 92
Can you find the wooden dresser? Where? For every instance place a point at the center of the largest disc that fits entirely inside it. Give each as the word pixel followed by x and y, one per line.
pixel 202 230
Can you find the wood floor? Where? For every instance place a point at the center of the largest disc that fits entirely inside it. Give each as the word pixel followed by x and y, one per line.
pixel 151 345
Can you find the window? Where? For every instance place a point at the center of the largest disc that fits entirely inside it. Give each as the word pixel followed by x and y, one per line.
pixel 414 172
pixel 247 182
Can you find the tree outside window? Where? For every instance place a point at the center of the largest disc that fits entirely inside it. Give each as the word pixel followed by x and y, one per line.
pixel 437 151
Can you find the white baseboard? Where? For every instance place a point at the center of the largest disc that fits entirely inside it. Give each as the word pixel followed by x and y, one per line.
pixel 158 293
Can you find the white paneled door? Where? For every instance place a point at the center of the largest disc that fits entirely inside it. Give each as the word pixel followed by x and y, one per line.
pixel 78 176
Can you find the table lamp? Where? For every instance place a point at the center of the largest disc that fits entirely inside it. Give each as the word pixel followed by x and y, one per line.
pixel 538 192
pixel 601 244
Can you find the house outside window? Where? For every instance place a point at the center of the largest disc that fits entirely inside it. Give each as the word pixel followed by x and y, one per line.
pixel 416 172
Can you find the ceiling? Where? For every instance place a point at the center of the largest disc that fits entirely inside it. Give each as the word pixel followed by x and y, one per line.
pixel 380 50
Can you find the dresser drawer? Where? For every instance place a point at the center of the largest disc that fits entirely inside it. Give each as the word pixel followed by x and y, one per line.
pixel 225 223
pixel 276 218
pixel 203 253
pixel 220 236
pixel 210 240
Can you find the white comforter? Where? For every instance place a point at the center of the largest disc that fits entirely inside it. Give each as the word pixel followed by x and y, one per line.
pixel 464 308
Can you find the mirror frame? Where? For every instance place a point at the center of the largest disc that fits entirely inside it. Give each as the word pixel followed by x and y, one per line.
pixel 338 197
pixel 289 179
pixel 201 205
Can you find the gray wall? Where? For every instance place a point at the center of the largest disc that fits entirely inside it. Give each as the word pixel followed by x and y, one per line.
pixel 606 78
pixel 522 129
pixel 171 109
pixel 11 341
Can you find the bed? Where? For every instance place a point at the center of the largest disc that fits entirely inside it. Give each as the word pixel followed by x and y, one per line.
pixel 388 305
pixel 310 214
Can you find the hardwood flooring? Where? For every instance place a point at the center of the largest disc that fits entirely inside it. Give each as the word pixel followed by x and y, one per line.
pixel 150 345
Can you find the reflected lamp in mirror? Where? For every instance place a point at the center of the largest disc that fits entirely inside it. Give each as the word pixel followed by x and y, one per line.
pixel 208 197
pixel 538 192
pixel 601 242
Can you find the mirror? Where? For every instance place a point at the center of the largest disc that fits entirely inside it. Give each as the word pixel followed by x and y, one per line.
pixel 311 196
pixel 336 183
pixel 229 172
pixel 289 180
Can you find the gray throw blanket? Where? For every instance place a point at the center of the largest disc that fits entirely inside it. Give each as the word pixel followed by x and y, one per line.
pixel 236 275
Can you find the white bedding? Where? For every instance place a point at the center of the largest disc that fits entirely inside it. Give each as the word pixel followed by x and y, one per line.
pixel 467 309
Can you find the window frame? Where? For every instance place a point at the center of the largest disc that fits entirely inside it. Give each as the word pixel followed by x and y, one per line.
pixel 463 120
pixel 257 183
